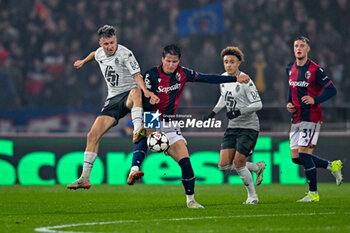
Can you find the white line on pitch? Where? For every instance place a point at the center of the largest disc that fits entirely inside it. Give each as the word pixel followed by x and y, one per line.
pixel 51 229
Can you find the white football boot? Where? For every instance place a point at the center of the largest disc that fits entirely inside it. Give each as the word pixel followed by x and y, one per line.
pixel 259 172
pixel 194 205
pixel 252 200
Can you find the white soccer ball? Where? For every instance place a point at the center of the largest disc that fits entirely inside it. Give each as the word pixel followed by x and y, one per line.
pixel 157 142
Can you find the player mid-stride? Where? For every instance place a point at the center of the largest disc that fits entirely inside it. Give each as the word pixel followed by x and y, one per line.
pixel 122 75
pixel 309 86
pixel 241 102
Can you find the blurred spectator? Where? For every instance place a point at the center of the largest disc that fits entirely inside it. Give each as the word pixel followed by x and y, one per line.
pixel 260 67
pixel 42 38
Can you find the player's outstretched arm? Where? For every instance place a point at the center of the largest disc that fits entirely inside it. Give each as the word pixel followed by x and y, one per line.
pixel 141 83
pixel 80 63
pixel 215 78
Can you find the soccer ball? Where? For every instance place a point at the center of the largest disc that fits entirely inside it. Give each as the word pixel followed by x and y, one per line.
pixel 157 142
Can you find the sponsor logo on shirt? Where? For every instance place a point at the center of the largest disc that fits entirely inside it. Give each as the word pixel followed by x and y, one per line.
pixel 298 84
pixel 167 89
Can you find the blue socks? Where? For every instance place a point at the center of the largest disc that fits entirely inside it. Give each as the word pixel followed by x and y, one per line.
pixel 319 162
pixel 297 161
pixel 187 175
pixel 140 152
pixel 310 170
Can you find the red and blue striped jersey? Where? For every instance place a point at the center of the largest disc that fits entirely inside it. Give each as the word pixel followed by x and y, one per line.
pixel 309 79
pixel 168 87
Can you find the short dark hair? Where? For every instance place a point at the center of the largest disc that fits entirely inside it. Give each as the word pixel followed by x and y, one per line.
pixel 106 31
pixel 172 49
pixel 303 38
pixel 231 50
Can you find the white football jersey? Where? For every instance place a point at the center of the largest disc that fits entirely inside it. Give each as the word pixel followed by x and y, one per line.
pixel 237 95
pixel 118 70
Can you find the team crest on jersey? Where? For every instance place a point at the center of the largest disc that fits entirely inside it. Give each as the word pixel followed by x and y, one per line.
pixel 148 82
pixel 178 76
pixel 238 87
pixel 116 61
pixel 307 74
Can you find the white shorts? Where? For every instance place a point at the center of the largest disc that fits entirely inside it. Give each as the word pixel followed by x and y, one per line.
pixel 173 133
pixel 304 134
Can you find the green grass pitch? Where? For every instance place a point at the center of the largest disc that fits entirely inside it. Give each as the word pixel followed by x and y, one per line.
pixel 144 208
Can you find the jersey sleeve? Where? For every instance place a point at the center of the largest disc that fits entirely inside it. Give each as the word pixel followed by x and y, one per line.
pixel 288 69
pixel 131 63
pixel 219 105
pixel 150 82
pixel 251 92
pixel 253 97
pixel 98 54
pixel 191 75
pixel 321 78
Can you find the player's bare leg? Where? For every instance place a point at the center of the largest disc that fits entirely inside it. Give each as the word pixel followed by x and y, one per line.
pixel 134 102
pixel 226 160
pixel 178 151
pixel 101 125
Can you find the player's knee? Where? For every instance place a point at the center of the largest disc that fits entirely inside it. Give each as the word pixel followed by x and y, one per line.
pixel 135 93
pixel 297 161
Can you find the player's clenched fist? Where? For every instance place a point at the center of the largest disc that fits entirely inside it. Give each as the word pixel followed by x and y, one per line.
pixel 243 78
pixel 290 108
pixel 78 64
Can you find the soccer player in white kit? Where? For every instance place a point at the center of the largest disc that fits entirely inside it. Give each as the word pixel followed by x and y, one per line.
pixel 242 100
pixel 121 72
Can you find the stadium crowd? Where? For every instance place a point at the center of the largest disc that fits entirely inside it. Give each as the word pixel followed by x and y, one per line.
pixel 40 40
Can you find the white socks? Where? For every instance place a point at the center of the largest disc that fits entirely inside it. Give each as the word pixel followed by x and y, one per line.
pixel 227 168
pixel 189 198
pixel 231 168
pixel 134 169
pixel 247 179
pixel 136 117
pixel 252 166
pixel 89 159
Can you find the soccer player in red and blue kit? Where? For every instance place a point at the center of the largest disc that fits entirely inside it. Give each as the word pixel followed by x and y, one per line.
pixel 309 86
pixel 167 82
